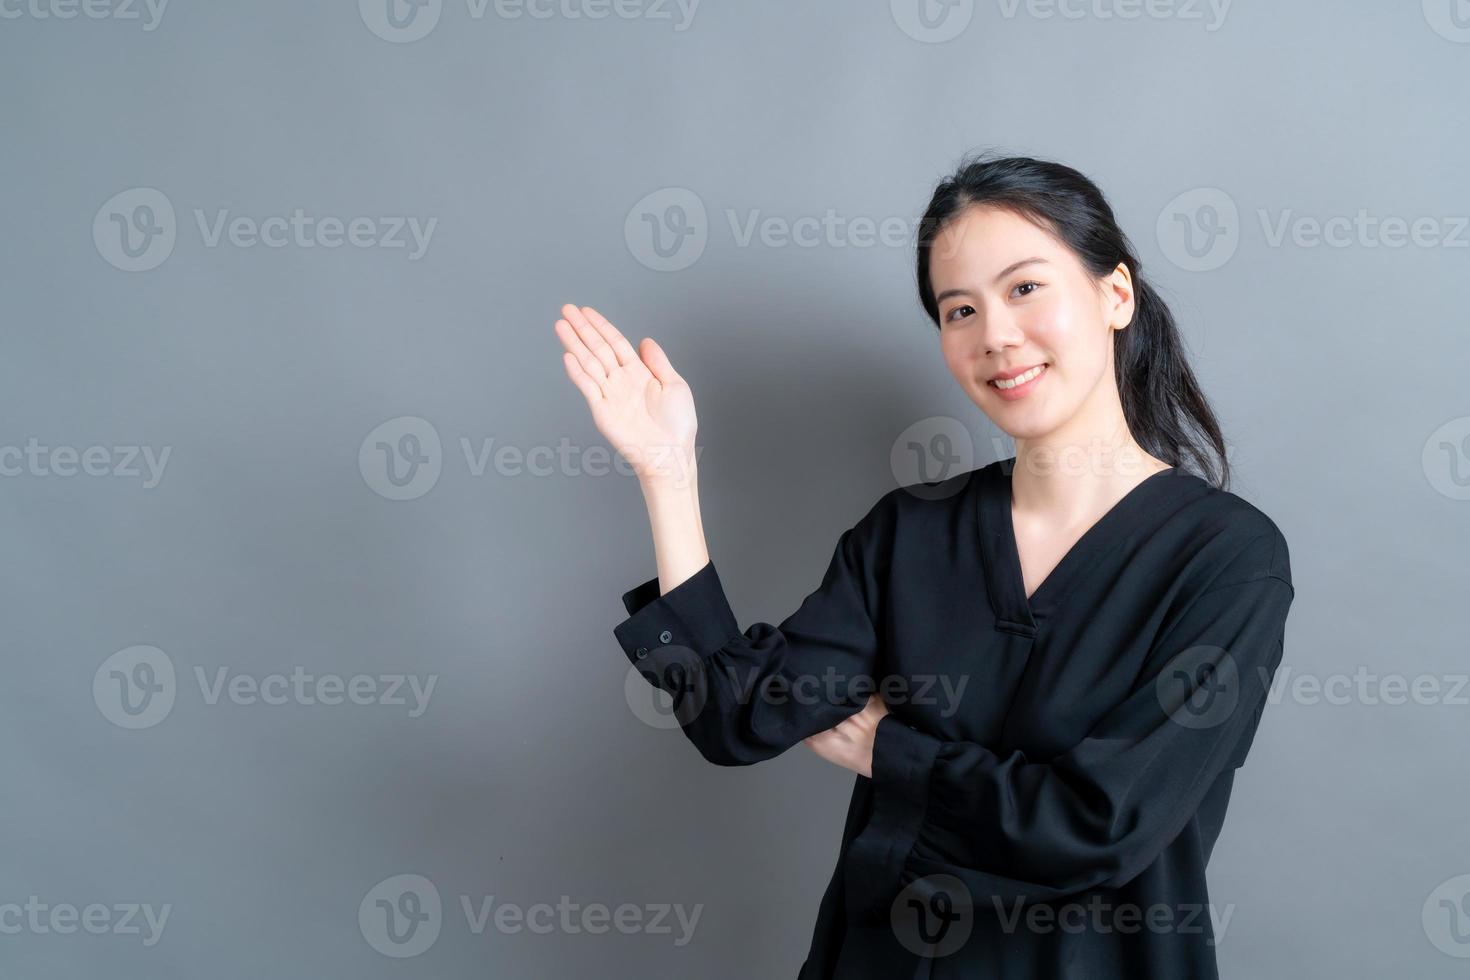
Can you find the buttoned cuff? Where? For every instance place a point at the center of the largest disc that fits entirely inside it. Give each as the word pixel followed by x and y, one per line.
pixel 903 757
pixel 693 614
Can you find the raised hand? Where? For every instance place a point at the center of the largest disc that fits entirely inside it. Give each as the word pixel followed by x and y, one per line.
pixel 639 402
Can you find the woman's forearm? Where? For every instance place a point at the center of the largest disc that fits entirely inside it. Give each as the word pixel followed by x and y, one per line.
pixel 678 533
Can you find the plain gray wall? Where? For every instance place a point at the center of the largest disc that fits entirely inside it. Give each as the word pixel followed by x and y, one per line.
pixel 273 540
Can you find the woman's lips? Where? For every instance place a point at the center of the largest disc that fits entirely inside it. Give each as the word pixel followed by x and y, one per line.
pixel 1025 387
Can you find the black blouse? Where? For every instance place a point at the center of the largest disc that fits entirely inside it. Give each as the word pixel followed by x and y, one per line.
pixel 1054 770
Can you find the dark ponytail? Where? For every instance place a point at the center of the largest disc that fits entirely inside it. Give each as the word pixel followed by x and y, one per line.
pixel 1162 402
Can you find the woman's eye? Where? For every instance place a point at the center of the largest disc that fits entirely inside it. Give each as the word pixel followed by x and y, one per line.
pixel 960 311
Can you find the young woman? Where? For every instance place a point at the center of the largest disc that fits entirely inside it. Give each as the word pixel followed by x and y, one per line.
pixel 1043 671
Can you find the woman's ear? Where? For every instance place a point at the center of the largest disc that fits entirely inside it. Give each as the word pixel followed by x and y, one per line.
pixel 1118 296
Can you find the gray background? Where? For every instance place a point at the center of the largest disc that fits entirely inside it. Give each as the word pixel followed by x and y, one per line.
pixel 1338 372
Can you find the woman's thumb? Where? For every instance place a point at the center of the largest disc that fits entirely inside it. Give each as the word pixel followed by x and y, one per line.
pixel 658 362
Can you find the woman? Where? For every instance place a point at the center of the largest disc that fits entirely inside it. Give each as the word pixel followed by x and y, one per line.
pixel 1072 645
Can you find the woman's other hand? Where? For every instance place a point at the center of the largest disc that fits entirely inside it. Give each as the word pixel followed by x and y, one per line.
pixel 850 744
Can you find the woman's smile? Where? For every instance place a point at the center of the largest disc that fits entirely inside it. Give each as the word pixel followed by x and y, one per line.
pixel 1020 385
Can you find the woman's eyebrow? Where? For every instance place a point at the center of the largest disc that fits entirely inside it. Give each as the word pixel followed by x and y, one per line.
pixel 998 277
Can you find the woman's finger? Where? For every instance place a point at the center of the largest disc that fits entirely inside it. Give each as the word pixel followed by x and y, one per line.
pixel 585 383
pixel 622 350
pixel 658 364
pixel 572 341
pixel 591 338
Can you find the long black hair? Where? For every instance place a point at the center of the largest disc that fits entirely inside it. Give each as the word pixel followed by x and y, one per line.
pixel 1162 402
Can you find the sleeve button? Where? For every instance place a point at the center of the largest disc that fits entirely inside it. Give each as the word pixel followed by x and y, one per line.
pixel 665 636
pixel 641 652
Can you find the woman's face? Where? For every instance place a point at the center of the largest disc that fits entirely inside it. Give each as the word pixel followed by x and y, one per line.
pixel 1011 299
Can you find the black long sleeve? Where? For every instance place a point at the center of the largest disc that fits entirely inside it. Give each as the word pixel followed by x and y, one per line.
pixel 759 691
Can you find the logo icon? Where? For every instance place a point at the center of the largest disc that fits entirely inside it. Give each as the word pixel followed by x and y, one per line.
pixel 1446 917
pixel 135 229
pixel 933 915
pixel 932 21
pixel 401 916
pixel 135 688
pixel 1450 19
pixel 400 21
pixel 1446 458
pixel 931 451
pixel 667 230
pixel 1199 687
pixel 402 458
pixel 1199 230
pixel 668 688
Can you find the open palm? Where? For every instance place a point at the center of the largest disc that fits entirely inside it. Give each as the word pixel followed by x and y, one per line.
pixel 639 402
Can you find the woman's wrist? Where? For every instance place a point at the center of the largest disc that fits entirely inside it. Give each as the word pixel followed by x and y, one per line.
pixel 674 481
pixel 669 468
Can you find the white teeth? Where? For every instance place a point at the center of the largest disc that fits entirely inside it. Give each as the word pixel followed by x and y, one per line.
pixel 1020 379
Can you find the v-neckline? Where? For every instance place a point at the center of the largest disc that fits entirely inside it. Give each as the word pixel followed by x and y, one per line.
pixel 1004 580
